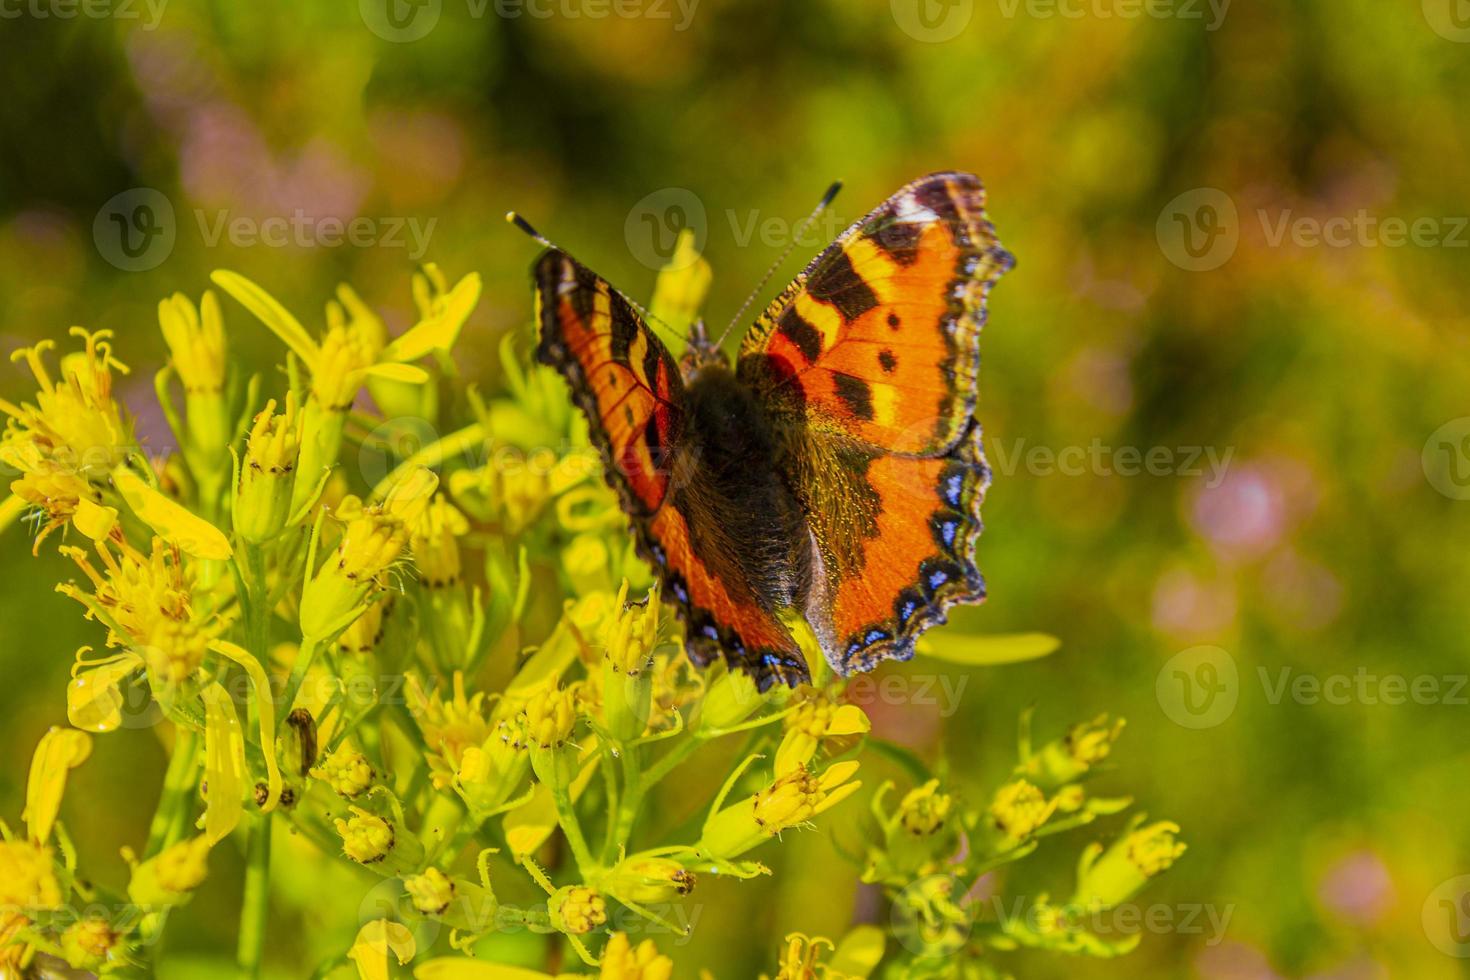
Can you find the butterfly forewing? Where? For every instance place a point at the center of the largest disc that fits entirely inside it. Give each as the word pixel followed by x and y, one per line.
pixel 870 364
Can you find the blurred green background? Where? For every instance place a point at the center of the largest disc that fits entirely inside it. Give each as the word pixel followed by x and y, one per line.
pixel 1157 170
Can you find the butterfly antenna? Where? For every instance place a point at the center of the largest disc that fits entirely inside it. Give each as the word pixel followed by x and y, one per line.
pixel 785 254
pixel 514 218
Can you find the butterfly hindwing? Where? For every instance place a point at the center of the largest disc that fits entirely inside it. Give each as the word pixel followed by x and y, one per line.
pixel 629 387
pixel 870 360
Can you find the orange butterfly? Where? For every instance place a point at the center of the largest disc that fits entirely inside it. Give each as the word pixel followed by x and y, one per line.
pixel 835 474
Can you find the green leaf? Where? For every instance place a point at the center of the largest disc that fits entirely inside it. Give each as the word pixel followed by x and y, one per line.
pixel 998 648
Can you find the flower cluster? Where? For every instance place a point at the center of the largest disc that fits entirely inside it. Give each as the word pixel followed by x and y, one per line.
pixel 440 662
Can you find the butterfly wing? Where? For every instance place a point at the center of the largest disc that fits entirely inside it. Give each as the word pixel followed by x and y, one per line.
pixel 869 363
pixel 628 386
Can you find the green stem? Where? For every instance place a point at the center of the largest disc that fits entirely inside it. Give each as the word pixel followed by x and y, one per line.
pixel 632 799
pixel 304 656
pixel 567 815
pixel 172 816
pixel 256 908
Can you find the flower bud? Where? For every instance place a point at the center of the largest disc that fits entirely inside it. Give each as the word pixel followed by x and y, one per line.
pixel 549 718
pixel 1019 809
pixel 1109 878
pixel 347 771
pixel 1070 757
pixel 263 500
pixel 627 680
pixel 373 539
pixel 169 877
pixel 792 799
pixel 366 837
pixel 86 943
pixel 648 880
pixel 730 699
pixel 576 909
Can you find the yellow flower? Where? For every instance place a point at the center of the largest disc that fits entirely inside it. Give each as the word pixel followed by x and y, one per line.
pixel 435 543
pixel 793 799
pixel 799 959
pixel 169 877
pixel 1019 809
pixel 550 716
pixel 366 837
pixel 577 909
pixel 449 727
pixel 924 809
pixel 147 604
pixel 627 681
pixel 56 491
pixel 27 876
pixel 1067 759
pixel 1108 878
pixel 682 285
pixel 347 771
pixel 490 773
pixel 86 943
pixel 431 891
pixel 196 341
pixel 66 442
pixel 351 351
pixel 816 721
pixel 649 879
pixel 621 961
pixel 372 540
pixel 75 422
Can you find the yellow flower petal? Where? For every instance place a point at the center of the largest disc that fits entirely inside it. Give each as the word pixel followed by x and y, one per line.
pixel 440 331
pixel 849 720
pixel 170 521
pixel 93 701
pixel 224 764
pixel 265 710
pixel 94 520
pixel 375 941
pixel 59 751
pixel 271 313
pixel 399 372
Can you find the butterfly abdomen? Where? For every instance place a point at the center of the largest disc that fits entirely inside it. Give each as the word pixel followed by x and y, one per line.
pixel 757 533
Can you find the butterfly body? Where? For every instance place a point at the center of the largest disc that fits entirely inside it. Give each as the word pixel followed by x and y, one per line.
pixel 752 525
pixel 835 474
